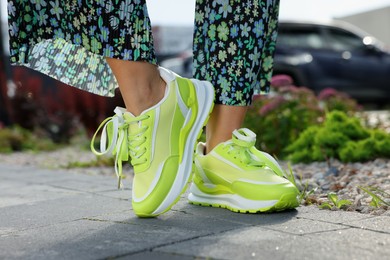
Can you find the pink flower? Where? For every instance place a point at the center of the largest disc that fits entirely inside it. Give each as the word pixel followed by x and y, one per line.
pixel 306 90
pixel 327 93
pixel 272 105
pixel 281 81
pixel 288 89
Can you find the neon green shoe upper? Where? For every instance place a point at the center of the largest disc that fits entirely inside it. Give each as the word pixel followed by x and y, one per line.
pixel 234 177
pixel 160 142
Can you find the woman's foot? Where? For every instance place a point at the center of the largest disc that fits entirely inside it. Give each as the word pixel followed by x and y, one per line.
pixel 232 176
pixel 160 142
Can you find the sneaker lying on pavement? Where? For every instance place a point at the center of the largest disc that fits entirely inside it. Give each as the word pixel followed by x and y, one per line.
pixel 236 176
pixel 160 142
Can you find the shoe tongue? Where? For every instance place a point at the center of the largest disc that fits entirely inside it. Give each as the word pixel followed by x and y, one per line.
pixel 244 137
pixel 135 125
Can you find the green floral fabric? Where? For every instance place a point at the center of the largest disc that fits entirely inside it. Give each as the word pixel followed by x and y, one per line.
pixel 68 40
pixel 234 44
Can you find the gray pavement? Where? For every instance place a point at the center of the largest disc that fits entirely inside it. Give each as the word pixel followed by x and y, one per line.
pixel 54 214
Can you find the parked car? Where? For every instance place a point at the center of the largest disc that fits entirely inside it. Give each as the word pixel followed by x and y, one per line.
pixel 323 55
pixel 337 55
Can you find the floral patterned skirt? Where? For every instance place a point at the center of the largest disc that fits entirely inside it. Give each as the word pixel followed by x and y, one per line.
pixel 234 42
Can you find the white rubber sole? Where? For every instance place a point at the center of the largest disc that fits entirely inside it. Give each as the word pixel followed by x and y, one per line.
pixel 205 97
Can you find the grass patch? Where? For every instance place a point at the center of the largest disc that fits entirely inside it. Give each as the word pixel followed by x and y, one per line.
pixel 376 195
pixel 304 192
pixel 101 161
pixel 334 201
pixel 16 138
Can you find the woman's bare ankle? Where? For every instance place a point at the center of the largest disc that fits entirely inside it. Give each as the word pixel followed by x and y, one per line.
pixel 223 121
pixel 140 84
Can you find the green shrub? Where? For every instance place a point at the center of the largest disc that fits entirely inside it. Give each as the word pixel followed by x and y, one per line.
pixel 9 141
pixel 341 137
pixel 279 119
pixel 281 116
pixel 377 144
pixel 20 139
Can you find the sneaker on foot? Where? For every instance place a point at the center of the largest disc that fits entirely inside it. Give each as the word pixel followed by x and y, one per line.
pixel 232 176
pixel 160 142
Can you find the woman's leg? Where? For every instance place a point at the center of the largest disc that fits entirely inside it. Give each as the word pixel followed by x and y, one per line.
pixel 223 121
pixel 139 82
pixel 162 131
pixel 233 47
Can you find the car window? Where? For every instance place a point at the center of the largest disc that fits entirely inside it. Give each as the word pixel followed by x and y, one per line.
pixel 341 40
pixel 300 38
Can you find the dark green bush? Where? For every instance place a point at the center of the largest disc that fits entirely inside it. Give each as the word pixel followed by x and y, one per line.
pixel 341 137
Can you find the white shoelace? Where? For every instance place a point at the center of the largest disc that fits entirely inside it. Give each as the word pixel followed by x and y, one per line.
pixel 117 146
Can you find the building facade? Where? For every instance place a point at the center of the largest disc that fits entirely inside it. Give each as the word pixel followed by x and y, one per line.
pixel 375 22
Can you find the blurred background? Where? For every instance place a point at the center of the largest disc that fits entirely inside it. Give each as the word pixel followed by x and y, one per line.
pixel 343 45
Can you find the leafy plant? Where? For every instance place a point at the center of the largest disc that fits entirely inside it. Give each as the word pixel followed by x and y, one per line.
pixel 334 201
pixel 376 145
pixel 280 117
pixel 376 201
pixel 342 137
pixel 19 139
pixel 331 100
pixel 304 192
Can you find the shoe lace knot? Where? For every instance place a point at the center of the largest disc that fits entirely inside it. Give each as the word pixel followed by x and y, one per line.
pixel 117 139
pixel 242 141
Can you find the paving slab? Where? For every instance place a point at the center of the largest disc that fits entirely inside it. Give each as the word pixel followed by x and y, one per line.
pixel 84 185
pixel 56 214
pixel 159 256
pixel 224 214
pixel 378 223
pixel 32 174
pixel 352 243
pixel 123 194
pixel 52 211
pixel 338 217
pixel 261 243
pixel 247 243
pixel 85 239
pixel 201 225
pixel 58 177
pixel 304 226
pixel 15 194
